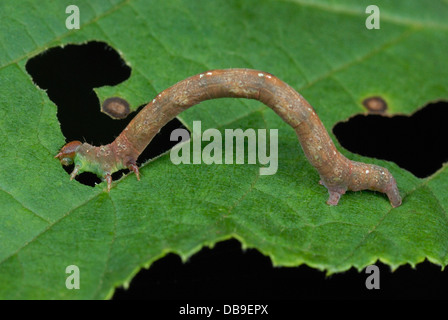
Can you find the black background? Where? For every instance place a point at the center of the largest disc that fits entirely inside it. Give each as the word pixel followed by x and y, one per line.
pixel 227 272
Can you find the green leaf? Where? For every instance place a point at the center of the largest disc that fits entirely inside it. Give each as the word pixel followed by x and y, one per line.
pixel 321 48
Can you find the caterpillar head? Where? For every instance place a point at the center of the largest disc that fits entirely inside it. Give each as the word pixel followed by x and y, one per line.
pixel 68 152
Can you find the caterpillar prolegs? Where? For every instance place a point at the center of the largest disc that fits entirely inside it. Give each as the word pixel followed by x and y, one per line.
pixel 337 173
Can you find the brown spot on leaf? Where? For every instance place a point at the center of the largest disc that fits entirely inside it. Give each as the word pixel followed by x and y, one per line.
pixel 375 105
pixel 116 108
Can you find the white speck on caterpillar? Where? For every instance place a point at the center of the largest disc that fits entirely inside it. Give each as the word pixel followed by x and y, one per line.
pixel 209 73
pixel 153 100
pixel 261 74
pixel 268 76
pixel 367 171
pixel 121 146
pixel 201 75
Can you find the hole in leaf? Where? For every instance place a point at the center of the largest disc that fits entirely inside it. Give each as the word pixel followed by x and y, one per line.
pixel 415 143
pixel 69 74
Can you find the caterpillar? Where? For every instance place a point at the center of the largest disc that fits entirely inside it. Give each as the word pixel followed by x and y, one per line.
pixel 337 173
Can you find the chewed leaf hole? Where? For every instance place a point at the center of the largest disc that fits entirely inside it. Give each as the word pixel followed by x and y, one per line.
pixel 416 143
pixel 69 74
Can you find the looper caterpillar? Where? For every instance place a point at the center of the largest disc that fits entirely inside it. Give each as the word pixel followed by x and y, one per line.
pixel 338 174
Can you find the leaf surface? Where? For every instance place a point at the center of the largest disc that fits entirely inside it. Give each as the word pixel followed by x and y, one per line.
pixel 321 48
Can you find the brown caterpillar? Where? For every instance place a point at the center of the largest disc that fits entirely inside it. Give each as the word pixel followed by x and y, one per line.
pixel 338 174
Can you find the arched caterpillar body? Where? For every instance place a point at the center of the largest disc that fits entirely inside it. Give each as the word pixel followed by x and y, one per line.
pixel 337 173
